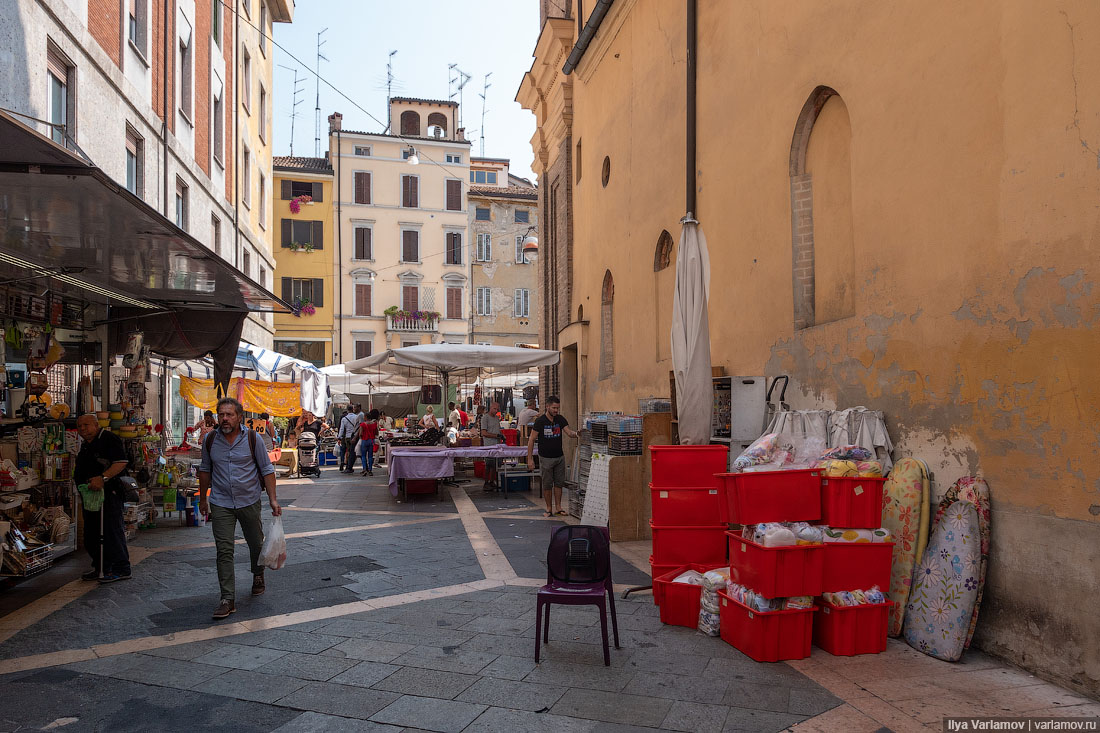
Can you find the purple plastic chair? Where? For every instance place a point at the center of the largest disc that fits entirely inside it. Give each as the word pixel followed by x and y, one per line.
pixel 578 573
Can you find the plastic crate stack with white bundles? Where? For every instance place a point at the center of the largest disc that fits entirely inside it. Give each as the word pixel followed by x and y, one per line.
pixel 686 500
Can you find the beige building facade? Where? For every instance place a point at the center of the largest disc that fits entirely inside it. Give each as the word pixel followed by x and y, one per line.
pixel 899 202
pixel 503 210
pixel 402 256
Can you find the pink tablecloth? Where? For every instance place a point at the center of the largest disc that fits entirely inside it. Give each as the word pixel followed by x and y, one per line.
pixel 433 462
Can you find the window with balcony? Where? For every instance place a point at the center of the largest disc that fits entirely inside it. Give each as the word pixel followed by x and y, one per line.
pixel 410 297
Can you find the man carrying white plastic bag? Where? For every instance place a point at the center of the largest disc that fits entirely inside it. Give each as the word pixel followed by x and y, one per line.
pixel 273 553
pixel 235 469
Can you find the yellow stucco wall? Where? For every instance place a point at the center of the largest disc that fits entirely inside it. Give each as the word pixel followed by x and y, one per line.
pixel 316 264
pixel 971 311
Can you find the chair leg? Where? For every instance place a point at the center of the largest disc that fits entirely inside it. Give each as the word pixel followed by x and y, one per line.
pixel 603 635
pixel 538 626
pixel 614 616
pixel 546 629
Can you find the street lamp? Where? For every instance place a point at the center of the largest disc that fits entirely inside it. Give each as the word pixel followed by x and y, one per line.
pixel 530 246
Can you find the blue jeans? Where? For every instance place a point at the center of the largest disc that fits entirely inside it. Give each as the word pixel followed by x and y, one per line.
pixel 366 447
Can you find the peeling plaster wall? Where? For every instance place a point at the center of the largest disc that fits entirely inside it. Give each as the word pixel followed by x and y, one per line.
pixel 975 167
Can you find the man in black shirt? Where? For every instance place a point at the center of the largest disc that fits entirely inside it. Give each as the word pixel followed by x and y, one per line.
pixel 548 429
pixel 102 459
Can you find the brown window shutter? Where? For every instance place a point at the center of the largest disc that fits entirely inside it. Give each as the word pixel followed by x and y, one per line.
pixel 287 292
pixel 318 292
pixel 361 187
pixel 454 302
pixel 362 244
pixel 362 299
pixel 406 191
pixel 454 195
pixel 318 235
pixel 414 187
pixel 410 249
pixel 366 188
pixel 318 191
pixel 287 190
pixel 410 299
pixel 288 233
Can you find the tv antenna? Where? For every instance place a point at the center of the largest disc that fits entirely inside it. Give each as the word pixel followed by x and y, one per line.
pixel 294 107
pixel 389 87
pixel 317 109
pixel 457 79
pixel 484 89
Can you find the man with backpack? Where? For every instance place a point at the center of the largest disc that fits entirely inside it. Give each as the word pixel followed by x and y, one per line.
pixel 234 470
pixel 348 435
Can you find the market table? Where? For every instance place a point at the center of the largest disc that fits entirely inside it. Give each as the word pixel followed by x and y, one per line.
pixel 436 462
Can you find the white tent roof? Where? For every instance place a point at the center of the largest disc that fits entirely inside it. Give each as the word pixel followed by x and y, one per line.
pixel 461 363
pixel 253 362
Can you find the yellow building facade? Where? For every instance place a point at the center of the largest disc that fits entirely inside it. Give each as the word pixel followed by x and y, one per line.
pixel 900 207
pixel 305 257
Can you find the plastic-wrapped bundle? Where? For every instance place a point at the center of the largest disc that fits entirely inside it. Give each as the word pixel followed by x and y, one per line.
pixel 761 451
pixel 708 601
pixel 709 623
pixel 691 577
pixel 715 580
pixel 807 534
pixel 848 453
pixel 838 468
pixel 871 596
pixel 751 599
pixel 799 603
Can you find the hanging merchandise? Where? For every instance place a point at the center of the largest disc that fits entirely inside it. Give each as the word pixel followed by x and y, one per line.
pixel 37 384
pixel 134 343
pixel 84 403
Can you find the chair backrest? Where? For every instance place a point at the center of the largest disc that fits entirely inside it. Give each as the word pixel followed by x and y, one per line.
pixel 579 553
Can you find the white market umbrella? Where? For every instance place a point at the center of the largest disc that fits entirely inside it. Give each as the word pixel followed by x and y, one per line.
pixel 691 336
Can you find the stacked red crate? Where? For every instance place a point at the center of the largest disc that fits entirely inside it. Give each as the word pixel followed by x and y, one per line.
pixel 686 508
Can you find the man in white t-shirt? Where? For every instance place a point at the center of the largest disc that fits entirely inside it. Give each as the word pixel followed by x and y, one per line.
pixel 454 418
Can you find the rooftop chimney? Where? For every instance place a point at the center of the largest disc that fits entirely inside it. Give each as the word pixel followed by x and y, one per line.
pixel 335 122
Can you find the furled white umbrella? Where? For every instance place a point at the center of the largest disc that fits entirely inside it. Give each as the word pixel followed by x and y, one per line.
pixel 691 336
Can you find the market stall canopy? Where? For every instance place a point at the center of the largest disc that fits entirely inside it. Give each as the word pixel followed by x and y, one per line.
pixel 63 218
pixel 455 362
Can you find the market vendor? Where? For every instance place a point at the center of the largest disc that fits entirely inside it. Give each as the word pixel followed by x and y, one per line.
pixel 489 424
pixel 205 425
pixel 100 462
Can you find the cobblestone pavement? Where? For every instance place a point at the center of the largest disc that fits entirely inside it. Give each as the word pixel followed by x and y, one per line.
pixel 420 615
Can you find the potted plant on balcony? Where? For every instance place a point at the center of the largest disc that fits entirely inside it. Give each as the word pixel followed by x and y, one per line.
pixel 297 201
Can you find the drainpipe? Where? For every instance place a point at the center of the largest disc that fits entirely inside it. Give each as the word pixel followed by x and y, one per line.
pixel 692 54
pixel 586 35
pixel 237 137
pixel 164 108
pixel 340 254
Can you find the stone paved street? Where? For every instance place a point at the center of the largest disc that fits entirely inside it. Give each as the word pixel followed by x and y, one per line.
pixel 420 615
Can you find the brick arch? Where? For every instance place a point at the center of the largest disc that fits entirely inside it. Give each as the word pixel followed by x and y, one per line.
pixel 410 122
pixel 438 119
pixel 662 256
pixel 805 259
pixel 607 326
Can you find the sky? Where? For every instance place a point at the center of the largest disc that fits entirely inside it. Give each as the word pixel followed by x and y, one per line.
pixel 480 36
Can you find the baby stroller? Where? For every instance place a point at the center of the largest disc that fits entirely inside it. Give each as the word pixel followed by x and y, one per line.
pixel 308 463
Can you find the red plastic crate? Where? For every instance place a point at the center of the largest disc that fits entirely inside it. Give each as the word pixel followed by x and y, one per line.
pixel 686 506
pixel 656 570
pixel 775 572
pixel 856 566
pixel 688 465
pixel 849 630
pixel 685 545
pixel 479 469
pixel 680 601
pixel 852 502
pixel 766 637
pixel 511 437
pixel 772 496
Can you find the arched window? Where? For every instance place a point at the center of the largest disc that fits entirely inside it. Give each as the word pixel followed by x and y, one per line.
pixel 437 120
pixel 607 327
pixel 822 248
pixel 662 257
pixel 410 123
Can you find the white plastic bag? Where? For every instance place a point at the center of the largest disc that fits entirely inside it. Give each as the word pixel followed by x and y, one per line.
pixel 273 552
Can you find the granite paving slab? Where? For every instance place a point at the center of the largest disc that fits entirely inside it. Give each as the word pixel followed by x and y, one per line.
pixel 334 699
pixel 245 685
pixel 426 683
pixel 612 707
pixel 320 723
pixel 307 666
pixel 365 674
pixel 445 716
pixel 695 717
pixel 512 694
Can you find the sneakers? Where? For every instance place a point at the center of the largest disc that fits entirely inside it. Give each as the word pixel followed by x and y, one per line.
pixel 258 586
pixel 224 609
pixel 112 577
pixel 92 574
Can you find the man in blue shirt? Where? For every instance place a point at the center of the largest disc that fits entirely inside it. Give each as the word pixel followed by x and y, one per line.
pixel 234 467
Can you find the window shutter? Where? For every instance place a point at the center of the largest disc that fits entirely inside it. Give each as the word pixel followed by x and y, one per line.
pixel 454 195
pixel 405 190
pixel 362 243
pixel 454 302
pixel 517 304
pixel 362 188
pixel 287 229
pixel 410 246
pixel 318 191
pixel 410 298
pixel 362 299
pixel 287 190
pixel 318 292
pixel 318 235
pixel 288 293
pixel 414 191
